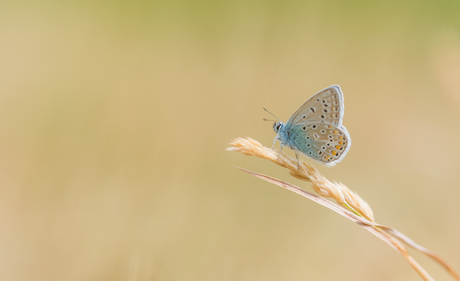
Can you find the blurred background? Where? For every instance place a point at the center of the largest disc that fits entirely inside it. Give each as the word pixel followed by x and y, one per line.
pixel 115 116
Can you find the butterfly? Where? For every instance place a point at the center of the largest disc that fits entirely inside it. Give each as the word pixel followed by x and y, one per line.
pixel 316 129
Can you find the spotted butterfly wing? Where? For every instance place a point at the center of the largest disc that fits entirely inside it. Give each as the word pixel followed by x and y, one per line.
pixel 325 143
pixel 326 106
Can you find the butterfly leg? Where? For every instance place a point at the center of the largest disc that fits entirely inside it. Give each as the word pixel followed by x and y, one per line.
pixel 281 148
pixel 298 161
pixel 274 142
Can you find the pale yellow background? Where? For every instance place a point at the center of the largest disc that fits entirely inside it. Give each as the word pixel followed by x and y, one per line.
pixel 115 116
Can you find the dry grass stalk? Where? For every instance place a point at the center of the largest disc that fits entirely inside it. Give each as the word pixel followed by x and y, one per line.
pixel 307 172
pixel 361 212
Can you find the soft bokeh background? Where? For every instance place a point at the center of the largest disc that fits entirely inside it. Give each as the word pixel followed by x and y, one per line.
pixel 114 117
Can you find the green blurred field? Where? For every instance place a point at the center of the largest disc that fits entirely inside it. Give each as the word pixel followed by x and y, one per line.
pixel 115 116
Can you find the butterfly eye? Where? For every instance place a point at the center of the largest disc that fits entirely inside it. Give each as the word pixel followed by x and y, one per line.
pixel 304 128
pixel 312 110
pixel 325 111
pixel 313 126
pixel 318 99
pixel 323 131
pixel 322 116
pixel 304 117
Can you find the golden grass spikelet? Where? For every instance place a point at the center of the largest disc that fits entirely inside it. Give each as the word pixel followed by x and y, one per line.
pixel 307 172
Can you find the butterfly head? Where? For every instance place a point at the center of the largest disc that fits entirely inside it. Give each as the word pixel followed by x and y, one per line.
pixel 277 126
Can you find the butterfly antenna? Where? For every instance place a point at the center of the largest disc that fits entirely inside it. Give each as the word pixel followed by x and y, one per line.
pixel 271 114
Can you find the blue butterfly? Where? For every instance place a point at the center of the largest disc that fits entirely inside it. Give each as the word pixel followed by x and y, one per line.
pixel 316 129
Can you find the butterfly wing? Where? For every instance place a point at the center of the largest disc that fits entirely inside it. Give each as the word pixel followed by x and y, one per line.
pixel 326 106
pixel 323 142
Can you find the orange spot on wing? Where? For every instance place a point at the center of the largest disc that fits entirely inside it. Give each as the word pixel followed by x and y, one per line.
pixel 336 132
pixel 334 152
pixel 341 142
pixel 337 146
